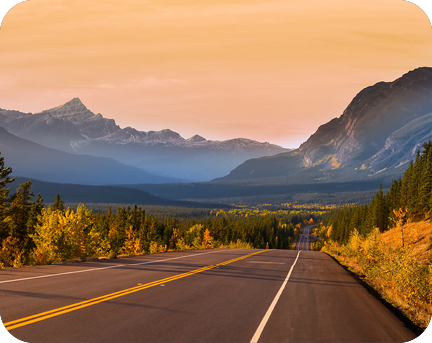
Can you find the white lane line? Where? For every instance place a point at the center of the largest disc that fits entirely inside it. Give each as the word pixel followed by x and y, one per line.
pixel 97 269
pixel 264 321
pixel 301 242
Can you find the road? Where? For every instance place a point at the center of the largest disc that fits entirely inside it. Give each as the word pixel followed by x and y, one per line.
pixel 303 241
pixel 201 296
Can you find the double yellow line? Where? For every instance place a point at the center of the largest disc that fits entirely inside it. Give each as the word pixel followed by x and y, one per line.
pixel 59 311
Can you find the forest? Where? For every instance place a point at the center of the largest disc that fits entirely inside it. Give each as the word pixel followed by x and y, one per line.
pixel 409 198
pixel 33 232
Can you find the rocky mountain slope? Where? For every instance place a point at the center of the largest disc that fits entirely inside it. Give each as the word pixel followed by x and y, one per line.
pixel 378 133
pixel 75 129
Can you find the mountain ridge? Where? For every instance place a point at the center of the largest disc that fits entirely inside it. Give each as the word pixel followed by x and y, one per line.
pixel 73 128
pixel 353 145
pixel 33 160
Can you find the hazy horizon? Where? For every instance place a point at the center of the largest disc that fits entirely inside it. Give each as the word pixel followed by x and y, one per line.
pixel 265 70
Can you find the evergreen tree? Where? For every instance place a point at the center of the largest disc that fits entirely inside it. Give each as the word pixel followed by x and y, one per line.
pixel 58 204
pixel 32 221
pixel 18 211
pixel 4 193
pixel 413 187
pixel 381 211
pixel 426 186
pixel 405 192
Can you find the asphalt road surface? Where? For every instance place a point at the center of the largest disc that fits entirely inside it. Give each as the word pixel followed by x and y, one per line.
pixel 303 241
pixel 200 296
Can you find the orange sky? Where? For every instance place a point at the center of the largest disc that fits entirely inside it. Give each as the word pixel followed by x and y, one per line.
pixel 266 70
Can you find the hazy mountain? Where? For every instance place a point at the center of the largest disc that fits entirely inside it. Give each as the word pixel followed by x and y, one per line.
pixel 376 135
pixel 36 161
pixel 73 128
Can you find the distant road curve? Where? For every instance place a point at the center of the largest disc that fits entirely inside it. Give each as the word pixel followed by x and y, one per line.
pixel 303 241
pixel 239 295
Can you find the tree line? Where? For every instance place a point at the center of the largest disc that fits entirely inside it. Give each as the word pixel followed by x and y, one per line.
pixel 409 198
pixel 32 232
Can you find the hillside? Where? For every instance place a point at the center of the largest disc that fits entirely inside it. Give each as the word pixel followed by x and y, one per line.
pixel 73 128
pixel 377 134
pixel 72 193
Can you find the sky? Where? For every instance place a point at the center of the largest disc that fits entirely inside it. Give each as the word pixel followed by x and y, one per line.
pixel 266 70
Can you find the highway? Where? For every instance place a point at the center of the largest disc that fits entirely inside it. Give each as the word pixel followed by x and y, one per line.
pixel 196 296
pixel 303 241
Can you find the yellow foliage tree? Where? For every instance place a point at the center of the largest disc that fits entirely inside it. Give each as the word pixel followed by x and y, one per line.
pixel 132 245
pixel 207 242
pixel 194 236
pixel 11 255
pixel 62 236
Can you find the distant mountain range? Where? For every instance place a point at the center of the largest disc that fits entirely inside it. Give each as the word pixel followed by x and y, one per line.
pixel 371 142
pixel 36 161
pixel 72 128
pixel 375 138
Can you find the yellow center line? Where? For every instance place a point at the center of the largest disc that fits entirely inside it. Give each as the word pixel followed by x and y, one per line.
pixel 65 309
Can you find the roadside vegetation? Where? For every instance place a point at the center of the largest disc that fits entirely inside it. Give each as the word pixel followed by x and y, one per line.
pixel 40 235
pixel 400 271
pixel 388 242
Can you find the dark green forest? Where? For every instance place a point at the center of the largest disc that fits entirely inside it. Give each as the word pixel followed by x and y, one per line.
pixel 409 199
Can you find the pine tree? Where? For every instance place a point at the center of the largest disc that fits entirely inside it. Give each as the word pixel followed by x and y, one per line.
pixel 406 181
pixel 33 220
pixel 58 204
pixel 426 187
pixel 18 211
pixel 4 193
pixel 413 186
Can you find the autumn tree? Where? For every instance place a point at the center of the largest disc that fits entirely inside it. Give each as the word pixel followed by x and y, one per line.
pixel 62 236
pixel 399 219
pixel 207 242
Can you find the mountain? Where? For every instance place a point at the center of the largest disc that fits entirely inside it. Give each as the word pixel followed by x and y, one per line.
pixel 377 134
pixel 75 129
pixel 36 161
